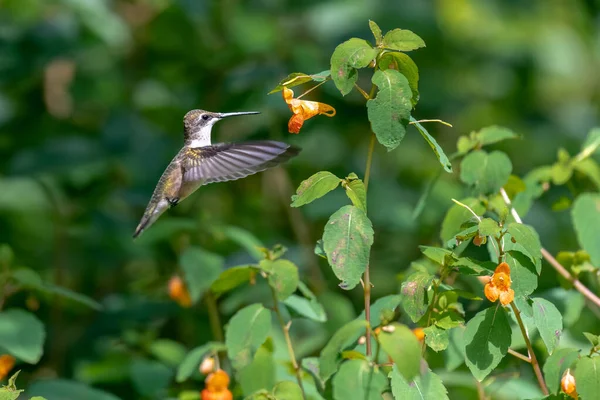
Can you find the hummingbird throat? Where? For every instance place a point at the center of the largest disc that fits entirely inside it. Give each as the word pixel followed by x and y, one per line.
pixel 202 137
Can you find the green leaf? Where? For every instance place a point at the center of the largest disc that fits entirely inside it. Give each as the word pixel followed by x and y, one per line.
pixel 342 339
pixel 586 220
pixel 282 276
pixel 389 111
pixel 245 239
pixel 402 40
pixel 315 187
pixel 587 376
pixel 287 390
pixel 593 339
pixel 406 66
pixel 414 294
pixel 201 269
pixel 192 360
pixel 168 351
pixel 10 391
pixel 376 32
pixel 429 386
pixel 556 365
pixel 356 379
pixel 401 344
pixel 149 377
pixel 436 338
pixel 309 308
pixel 548 321
pixel 457 215
pixel 522 274
pixel 455 353
pixel 356 192
pixel 589 168
pixel 488 227
pixel 232 278
pixel 382 310
pixel 347 240
pixel 246 331
pixel 494 134
pixel 438 255
pixel 437 149
pixel 22 334
pixel 260 373
pixel 486 338
pixel 298 78
pixel 487 173
pixel 468 266
pixel 67 390
pixel 346 58
pixel 524 239
pixel 311 365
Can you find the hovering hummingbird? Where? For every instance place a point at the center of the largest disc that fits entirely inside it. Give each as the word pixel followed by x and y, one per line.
pixel 199 162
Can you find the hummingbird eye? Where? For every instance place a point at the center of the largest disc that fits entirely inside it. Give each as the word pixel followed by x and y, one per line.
pixel 205 117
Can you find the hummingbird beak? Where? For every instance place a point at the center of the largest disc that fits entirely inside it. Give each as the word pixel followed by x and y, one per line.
pixel 233 114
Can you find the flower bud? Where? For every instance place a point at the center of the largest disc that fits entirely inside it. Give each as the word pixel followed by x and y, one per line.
pixel 207 366
pixel 567 384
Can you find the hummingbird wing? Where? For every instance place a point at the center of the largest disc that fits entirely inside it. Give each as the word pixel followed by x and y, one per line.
pixel 229 161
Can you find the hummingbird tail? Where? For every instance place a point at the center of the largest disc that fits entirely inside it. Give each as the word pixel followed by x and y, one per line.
pixel 151 215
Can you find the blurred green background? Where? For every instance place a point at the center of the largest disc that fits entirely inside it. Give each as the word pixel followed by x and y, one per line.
pixel 92 96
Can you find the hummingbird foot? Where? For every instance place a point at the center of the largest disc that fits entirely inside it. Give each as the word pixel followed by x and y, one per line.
pixel 173 201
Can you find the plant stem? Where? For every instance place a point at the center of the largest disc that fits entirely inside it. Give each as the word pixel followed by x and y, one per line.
pixel 213 316
pixel 286 333
pixel 519 356
pixel 581 288
pixel 532 357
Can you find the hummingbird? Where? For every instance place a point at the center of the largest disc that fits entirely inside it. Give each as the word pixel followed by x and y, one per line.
pixel 200 162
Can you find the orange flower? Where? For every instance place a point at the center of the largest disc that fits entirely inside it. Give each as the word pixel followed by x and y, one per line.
pixel 178 292
pixel 419 333
pixel 216 387
pixel 7 362
pixel 567 384
pixel 303 110
pixel 499 286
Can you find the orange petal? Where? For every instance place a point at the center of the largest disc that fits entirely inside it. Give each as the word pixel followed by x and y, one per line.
pixel 217 381
pixel 7 362
pixel 503 268
pixel 507 296
pixel 288 95
pixel 326 109
pixel 491 292
pixel 295 123
pixel 419 333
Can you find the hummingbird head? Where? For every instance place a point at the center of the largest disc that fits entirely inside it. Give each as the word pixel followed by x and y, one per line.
pixel 198 125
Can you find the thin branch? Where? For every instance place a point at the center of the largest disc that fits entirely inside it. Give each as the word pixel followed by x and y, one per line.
pixel 532 357
pixel 312 88
pixel 519 356
pixel 288 340
pixel 552 261
pixel 431 120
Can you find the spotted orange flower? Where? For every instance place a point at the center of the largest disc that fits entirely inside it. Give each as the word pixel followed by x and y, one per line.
pixel 7 362
pixel 303 110
pixel 178 292
pixel 499 286
pixel 567 384
pixel 217 387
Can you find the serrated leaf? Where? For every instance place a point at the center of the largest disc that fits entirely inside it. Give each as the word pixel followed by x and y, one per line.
pixel 10 391
pixel 347 240
pixel 587 376
pixel 486 173
pixel 356 192
pixel 406 66
pixel 586 220
pixel 437 149
pixel 402 40
pixel 556 365
pixel 260 373
pixel 486 338
pixel 522 273
pixel 315 187
pixel 382 310
pixel 356 379
pixel 414 294
pixel 346 58
pixel 376 32
pixel 150 377
pixel 201 269
pixel 287 390
pixel 548 321
pixel 389 111
pixel 343 338
pixel 526 241
pixel 22 335
pixel 298 78
pixel 488 227
pixel 401 344
pixel 232 278
pixel 282 276
pixel 436 338
pixel 192 360
pixel 429 386
pixel 67 390
pixel 246 331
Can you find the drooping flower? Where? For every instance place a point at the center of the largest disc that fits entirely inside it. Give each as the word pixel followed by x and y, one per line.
pixel 217 387
pixel 207 366
pixel 499 286
pixel 303 110
pixel 567 384
pixel 7 362
pixel 419 333
pixel 178 292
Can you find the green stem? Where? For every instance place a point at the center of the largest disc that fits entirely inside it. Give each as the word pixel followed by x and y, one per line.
pixel 213 317
pixel 532 357
pixel 288 340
